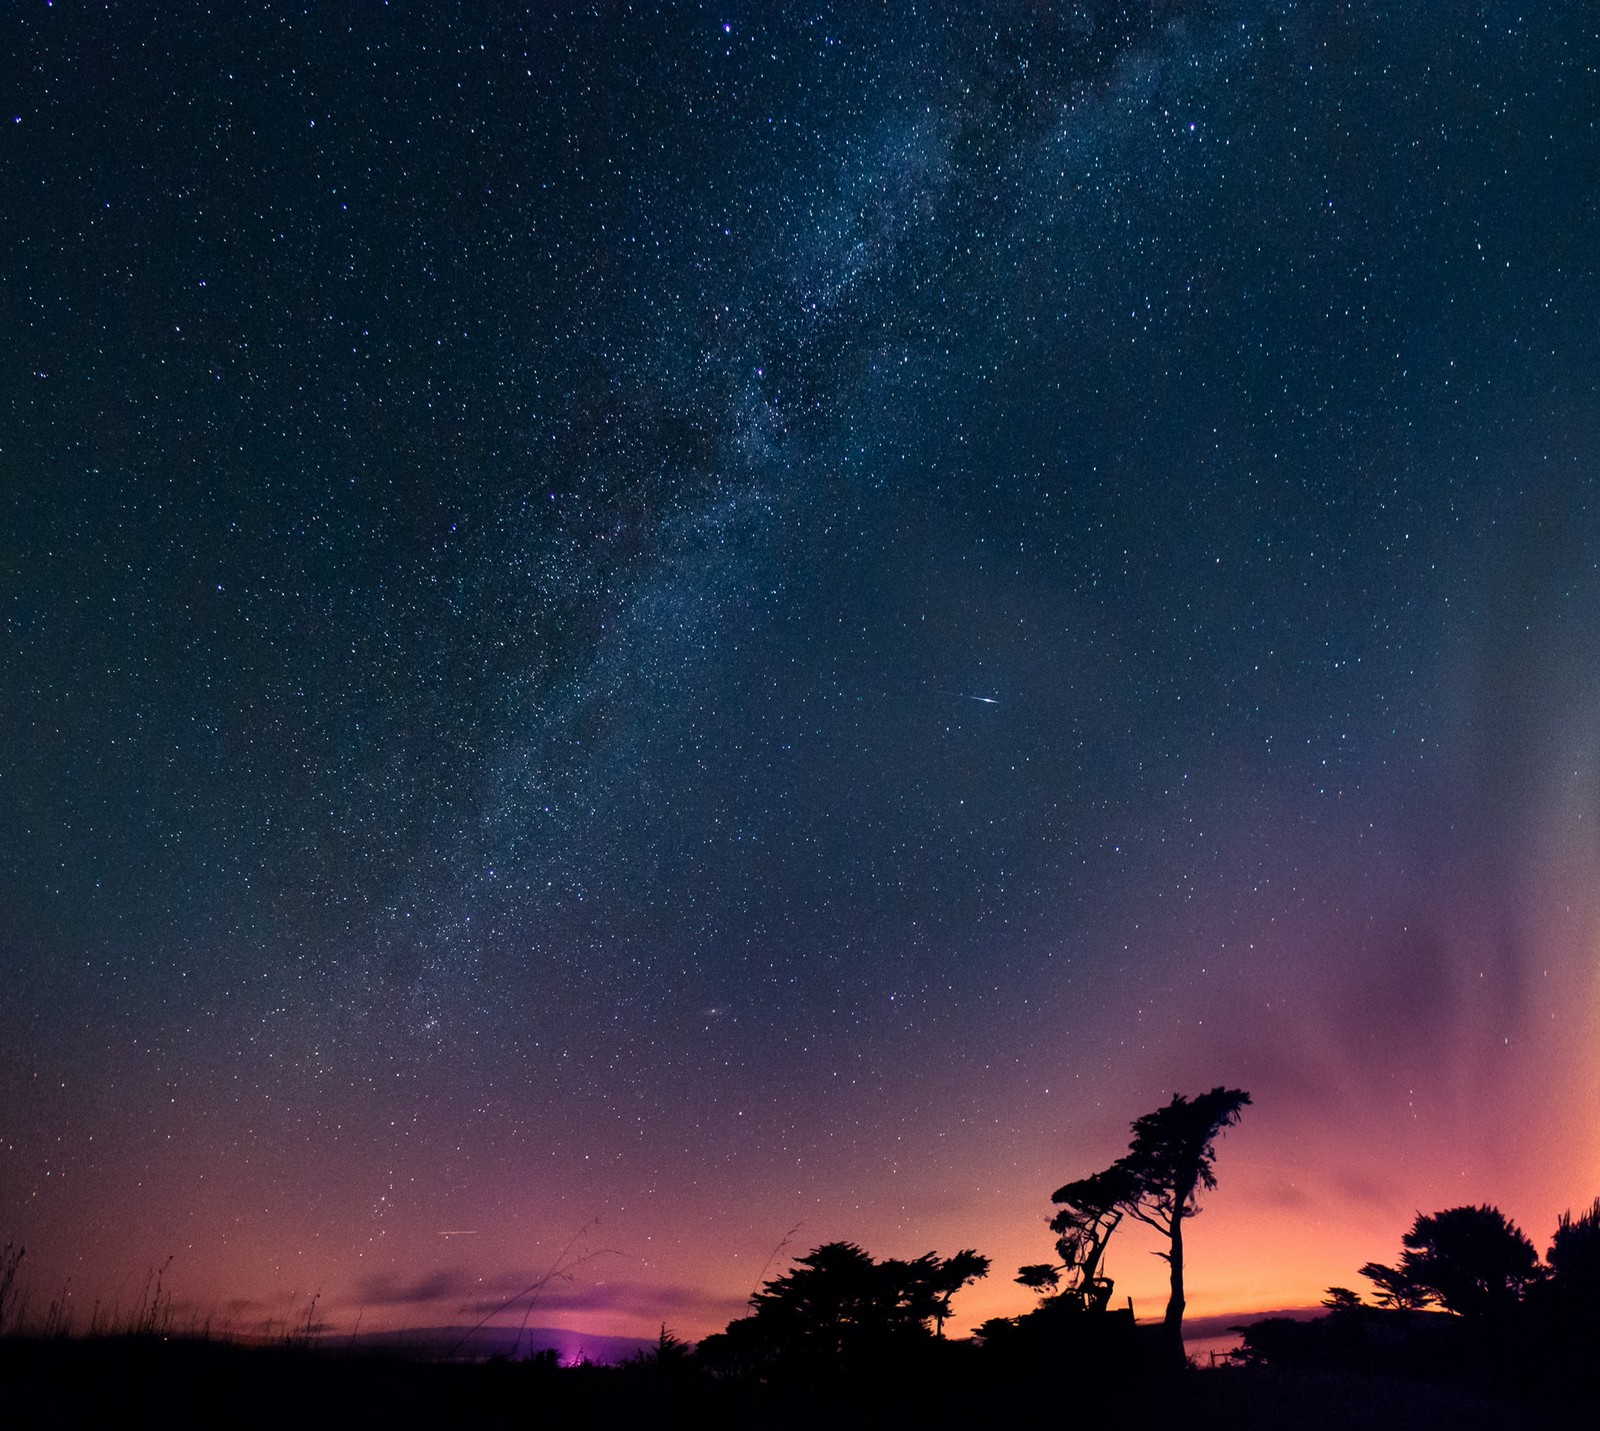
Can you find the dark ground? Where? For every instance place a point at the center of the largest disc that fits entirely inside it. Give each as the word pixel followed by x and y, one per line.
pixel 178 1383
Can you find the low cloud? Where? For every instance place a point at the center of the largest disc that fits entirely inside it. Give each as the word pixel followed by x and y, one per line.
pixel 481 1296
pixel 645 1299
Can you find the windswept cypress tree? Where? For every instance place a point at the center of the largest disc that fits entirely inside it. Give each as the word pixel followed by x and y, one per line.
pixel 1171 1158
pixel 1158 1181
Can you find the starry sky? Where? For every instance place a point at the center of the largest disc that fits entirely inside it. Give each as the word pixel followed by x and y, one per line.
pixel 662 634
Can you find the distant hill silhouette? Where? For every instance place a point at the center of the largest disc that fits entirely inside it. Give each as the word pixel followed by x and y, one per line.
pixel 479 1344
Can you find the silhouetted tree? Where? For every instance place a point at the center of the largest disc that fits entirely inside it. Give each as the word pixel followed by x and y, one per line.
pixel 669 1350
pixel 1473 1260
pixel 1341 1299
pixel 1041 1277
pixel 1170 1161
pixel 831 1294
pixel 1564 1310
pixel 836 1307
pixel 1395 1288
pixel 1158 1182
pixel 1091 1209
pixel 1574 1259
pixel 940 1280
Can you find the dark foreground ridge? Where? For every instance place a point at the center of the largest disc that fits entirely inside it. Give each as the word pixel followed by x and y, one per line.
pixel 1117 1378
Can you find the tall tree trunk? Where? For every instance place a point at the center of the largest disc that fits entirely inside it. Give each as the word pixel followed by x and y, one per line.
pixel 1172 1324
pixel 1091 1263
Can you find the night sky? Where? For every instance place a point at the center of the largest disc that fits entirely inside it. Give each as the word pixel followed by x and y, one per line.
pixel 654 630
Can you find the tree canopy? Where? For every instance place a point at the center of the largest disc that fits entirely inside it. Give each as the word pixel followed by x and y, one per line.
pixel 1574 1256
pixel 1091 1209
pixel 1395 1287
pixel 837 1306
pixel 1170 1160
pixel 1472 1260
